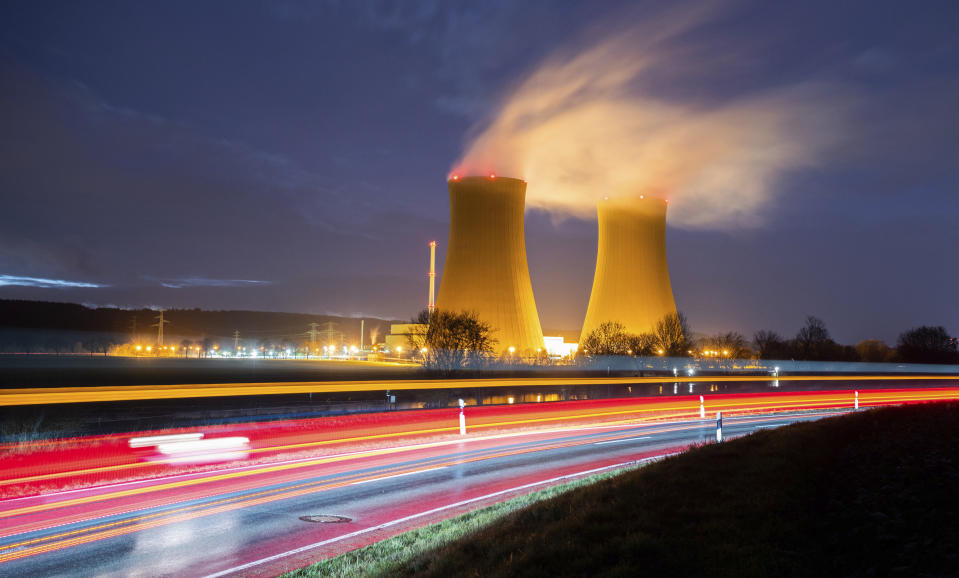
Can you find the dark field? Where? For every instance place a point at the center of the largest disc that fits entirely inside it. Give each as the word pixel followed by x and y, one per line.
pixel 869 494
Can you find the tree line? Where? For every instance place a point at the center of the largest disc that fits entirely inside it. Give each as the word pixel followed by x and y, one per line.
pixel 671 337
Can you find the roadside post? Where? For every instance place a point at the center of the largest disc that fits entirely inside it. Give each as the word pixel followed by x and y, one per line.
pixel 702 408
pixel 719 426
pixel 857 400
pixel 462 418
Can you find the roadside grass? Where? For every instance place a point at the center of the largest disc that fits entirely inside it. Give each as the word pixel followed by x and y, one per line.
pixel 386 557
pixel 874 493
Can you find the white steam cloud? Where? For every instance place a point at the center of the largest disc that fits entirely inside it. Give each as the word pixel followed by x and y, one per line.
pixel 584 126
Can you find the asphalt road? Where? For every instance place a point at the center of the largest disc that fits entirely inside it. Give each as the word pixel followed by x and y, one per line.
pixel 247 520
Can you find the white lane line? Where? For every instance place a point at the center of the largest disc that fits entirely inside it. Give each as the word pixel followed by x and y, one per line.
pixel 427 513
pixel 397 476
pixel 622 440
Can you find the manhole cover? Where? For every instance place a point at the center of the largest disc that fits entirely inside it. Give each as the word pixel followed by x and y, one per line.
pixel 326 519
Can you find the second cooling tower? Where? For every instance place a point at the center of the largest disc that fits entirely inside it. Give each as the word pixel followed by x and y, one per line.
pixel 631 285
pixel 486 268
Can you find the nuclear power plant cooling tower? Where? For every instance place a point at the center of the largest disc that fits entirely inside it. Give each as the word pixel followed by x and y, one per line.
pixel 485 268
pixel 631 285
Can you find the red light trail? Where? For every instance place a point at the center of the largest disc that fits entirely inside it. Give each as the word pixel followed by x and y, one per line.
pixel 128 489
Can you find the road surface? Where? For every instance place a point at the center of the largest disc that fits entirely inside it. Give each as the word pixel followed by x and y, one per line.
pixel 247 520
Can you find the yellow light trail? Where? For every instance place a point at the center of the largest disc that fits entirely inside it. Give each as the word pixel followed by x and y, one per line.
pixel 49 395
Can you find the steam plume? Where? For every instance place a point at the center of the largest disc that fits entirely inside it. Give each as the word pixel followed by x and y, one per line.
pixel 586 124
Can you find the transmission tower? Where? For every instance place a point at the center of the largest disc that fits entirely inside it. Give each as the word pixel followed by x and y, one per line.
pixel 313 335
pixel 159 325
pixel 236 340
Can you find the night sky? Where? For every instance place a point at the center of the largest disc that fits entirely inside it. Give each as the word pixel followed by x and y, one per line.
pixel 293 156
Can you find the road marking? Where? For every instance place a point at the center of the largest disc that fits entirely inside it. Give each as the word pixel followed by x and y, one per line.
pixel 622 440
pixel 429 512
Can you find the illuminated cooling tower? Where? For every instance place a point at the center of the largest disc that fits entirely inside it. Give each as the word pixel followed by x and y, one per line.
pixel 631 285
pixel 485 268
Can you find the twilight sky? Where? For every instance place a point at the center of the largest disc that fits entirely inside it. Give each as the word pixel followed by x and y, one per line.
pixel 293 156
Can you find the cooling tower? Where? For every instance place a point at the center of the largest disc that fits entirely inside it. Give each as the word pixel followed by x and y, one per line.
pixel 631 285
pixel 485 268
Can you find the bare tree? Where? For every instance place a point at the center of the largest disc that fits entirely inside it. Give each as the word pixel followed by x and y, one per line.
pixel 927 344
pixel 813 342
pixel 450 341
pixel 729 345
pixel 874 351
pixel 610 338
pixel 642 344
pixel 672 335
pixel 771 345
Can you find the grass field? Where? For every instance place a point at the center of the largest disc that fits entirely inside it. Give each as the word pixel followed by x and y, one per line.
pixel 870 494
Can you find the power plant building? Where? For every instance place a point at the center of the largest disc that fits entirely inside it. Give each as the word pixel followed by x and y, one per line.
pixel 631 285
pixel 486 269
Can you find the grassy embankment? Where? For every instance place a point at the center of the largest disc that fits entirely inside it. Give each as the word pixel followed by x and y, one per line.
pixel 869 494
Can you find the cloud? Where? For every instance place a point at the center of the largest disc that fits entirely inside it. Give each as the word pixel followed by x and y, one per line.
pixel 203 282
pixel 18 281
pixel 591 121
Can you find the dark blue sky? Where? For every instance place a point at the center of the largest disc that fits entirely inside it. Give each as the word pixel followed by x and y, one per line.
pixel 293 156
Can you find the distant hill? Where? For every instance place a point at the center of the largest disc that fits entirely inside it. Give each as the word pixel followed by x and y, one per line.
pixel 45 325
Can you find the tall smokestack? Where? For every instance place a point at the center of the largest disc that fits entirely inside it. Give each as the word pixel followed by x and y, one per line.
pixel 631 285
pixel 485 268
pixel 431 303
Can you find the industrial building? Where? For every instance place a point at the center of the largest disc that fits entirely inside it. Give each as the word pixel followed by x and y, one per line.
pixel 485 269
pixel 631 285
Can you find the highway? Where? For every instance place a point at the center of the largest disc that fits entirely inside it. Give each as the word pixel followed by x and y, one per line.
pixel 229 500
pixel 246 520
